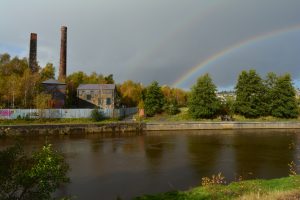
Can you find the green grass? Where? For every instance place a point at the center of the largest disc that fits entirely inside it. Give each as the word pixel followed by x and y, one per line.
pixel 235 190
pixel 183 116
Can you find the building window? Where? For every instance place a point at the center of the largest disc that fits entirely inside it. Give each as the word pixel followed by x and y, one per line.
pixel 108 101
pixel 81 92
pixel 88 97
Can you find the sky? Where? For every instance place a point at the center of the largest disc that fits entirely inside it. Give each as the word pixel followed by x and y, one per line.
pixel 171 41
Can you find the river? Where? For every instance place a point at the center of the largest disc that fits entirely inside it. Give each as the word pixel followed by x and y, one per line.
pixel 129 166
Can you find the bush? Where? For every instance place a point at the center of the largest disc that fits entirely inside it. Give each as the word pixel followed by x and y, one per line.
pixel 172 107
pixel 31 177
pixel 96 115
pixel 218 179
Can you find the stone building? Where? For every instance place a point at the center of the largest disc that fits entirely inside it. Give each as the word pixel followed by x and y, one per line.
pixel 58 92
pixel 97 95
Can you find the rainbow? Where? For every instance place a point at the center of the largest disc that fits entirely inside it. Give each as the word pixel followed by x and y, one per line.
pixel 142 60
pixel 232 48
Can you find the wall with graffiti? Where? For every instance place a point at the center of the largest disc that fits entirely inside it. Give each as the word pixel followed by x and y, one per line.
pixel 62 113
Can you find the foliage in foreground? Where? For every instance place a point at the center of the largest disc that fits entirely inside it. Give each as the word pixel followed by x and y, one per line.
pixel 235 190
pixel 33 177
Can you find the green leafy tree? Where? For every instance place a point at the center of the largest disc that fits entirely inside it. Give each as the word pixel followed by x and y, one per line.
pixel 47 72
pixel 284 102
pixel 250 95
pixel 172 107
pixel 269 83
pixel 35 177
pixel 154 99
pixel 109 79
pixel 227 106
pixel 203 101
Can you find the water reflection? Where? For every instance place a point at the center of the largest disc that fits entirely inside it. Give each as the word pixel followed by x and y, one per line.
pixel 155 148
pixel 204 152
pixel 263 154
pixel 104 167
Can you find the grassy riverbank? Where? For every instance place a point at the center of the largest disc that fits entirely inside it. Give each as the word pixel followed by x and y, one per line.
pixel 283 188
pixel 183 116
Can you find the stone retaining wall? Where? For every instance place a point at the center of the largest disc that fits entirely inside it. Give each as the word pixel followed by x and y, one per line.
pixel 70 128
pixel 220 125
pixel 121 127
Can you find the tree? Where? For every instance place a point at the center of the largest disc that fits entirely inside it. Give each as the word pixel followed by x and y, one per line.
pixel 172 107
pixel 33 177
pixel 42 101
pixel 175 93
pixel 18 85
pixel 48 72
pixel 154 99
pixel 109 79
pixel 269 83
pixel 203 101
pixel 284 102
pixel 131 93
pixel 4 58
pixel 250 95
pixel 227 106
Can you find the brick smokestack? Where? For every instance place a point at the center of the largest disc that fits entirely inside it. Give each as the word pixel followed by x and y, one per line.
pixel 32 52
pixel 63 54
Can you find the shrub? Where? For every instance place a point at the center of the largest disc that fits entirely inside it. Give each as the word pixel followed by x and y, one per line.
pixel 172 107
pixel 96 115
pixel 218 179
pixel 31 177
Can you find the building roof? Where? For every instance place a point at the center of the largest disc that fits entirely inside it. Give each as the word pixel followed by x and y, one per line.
pixel 96 87
pixel 53 82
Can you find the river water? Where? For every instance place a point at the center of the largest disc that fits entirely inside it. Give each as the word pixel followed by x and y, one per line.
pixel 129 166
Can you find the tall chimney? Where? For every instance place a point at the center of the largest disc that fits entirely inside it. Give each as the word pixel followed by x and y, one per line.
pixel 63 54
pixel 32 52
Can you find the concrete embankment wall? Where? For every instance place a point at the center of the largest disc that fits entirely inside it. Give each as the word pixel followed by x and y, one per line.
pixel 220 125
pixel 121 127
pixel 70 128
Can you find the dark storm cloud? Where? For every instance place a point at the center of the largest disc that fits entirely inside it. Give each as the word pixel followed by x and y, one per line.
pixel 150 40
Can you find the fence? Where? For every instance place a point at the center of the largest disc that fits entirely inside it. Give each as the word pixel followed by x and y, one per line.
pixel 63 113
